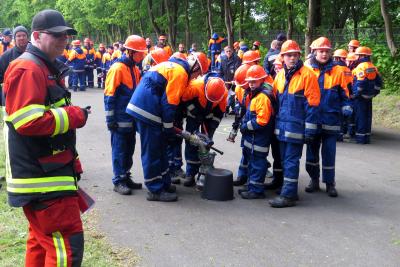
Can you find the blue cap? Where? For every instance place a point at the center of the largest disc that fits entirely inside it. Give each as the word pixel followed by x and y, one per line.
pixel 214 36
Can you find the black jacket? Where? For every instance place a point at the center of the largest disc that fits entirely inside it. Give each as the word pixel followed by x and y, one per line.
pixel 6 58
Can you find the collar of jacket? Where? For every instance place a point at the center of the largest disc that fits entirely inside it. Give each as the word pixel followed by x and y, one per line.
pixel 290 72
pixel 365 59
pixel 322 67
pixel 181 62
pixel 339 63
pixel 57 68
pixel 125 59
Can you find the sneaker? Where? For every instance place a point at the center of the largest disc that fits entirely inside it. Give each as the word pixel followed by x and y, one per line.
pixel 162 196
pixel 132 185
pixel 282 202
pixel 122 189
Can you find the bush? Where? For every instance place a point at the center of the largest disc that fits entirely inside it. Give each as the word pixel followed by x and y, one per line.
pixel 388 66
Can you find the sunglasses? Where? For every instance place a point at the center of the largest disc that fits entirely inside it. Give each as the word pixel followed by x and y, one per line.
pixel 56 34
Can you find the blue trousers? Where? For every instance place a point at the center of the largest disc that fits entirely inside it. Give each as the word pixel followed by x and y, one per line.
pixel 363 120
pixel 154 156
pixel 257 170
pixel 244 165
pixel 78 77
pixel 276 155
pixel 290 154
pixel 174 151
pixel 122 148
pixel 89 77
pixel 327 144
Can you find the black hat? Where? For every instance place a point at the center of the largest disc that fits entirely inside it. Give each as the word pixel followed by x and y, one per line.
pixel 281 37
pixel 7 32
pixel 51 21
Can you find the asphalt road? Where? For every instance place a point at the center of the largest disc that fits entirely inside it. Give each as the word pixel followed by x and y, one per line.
pixel 359 228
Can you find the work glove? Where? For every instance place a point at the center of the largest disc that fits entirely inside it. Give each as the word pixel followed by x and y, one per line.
pixel 112 126
pixel 347 111
pixel 243 129
pixel 309 139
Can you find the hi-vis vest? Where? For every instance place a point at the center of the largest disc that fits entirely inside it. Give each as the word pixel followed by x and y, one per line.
pixel 40 167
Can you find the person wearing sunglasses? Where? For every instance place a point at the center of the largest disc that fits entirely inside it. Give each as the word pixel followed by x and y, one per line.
pixel 42 156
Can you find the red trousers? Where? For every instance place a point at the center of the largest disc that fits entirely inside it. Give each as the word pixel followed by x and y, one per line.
pixel 55 233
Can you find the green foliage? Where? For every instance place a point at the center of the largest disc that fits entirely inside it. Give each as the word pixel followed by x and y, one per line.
pixel 388 66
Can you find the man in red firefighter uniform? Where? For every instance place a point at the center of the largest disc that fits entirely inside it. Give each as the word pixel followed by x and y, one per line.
pixel 205 99
pixel 122 79
pixel 367 84
pixel 298 98
pixel 334 88
pixel 42 164
pixel 153 105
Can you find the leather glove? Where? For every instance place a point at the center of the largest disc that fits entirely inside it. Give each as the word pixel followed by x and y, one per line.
pixel 309 139
pixel 112 126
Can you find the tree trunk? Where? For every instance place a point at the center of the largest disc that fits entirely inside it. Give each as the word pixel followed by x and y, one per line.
pixel 151 17
pixel 171 10
pixel 310 26
pixel 388 29
pixel 228 22
pixel 209 11
pixel 241 14
pixel 289 4
pixel 204 7
pixel 187 25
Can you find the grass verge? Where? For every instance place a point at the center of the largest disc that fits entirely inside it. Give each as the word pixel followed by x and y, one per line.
pixel 386 111
pixel 14 228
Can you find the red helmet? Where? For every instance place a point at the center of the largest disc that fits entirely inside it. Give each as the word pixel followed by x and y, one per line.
pixel 136 43
pixel 240 75
pixel 179 55
pixel 290 46
pixel 257 43
pixel 255 73
pixel 322 43
pixel 250 56
pixel 354 43
pixel 159 55
pixel 215 89
pixel 340 53
pixel 363 50
pixel 201 58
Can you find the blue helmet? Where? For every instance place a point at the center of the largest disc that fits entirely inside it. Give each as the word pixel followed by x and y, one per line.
pixel 214 36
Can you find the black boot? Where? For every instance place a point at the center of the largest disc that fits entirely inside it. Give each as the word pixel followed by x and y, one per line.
pixel 274 184
pixel 122 188
pixel 175 180
pixel 243 189
pixel 252 195
pixel 162 196
pixel 331 190
pixel 171 189
pixel 313 186
pixel 189 181
pixel 282 202
pixel 241 180
pixel 132 185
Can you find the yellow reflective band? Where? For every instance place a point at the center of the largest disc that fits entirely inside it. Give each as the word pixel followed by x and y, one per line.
pixel 60 103
pixel 61 119
pixel 25 115
pixel 41 185
pixel 60 249
pixel 43 180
